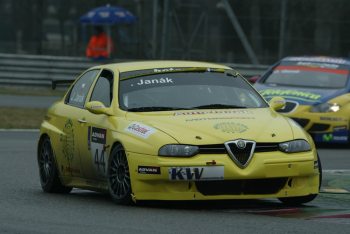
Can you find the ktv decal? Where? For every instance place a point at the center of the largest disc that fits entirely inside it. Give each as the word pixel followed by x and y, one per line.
pixel 97 138
pixel 196 173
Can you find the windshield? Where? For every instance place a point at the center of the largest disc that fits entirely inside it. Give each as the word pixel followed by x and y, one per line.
pixel 187 90
pixel 308 74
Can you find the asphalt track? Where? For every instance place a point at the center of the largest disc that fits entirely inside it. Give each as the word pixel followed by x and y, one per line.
pixel 24 208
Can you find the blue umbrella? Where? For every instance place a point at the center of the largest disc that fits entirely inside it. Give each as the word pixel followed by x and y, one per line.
pixel 108 15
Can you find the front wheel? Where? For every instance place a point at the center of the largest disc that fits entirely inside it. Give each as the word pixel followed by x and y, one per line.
pixel 297 201
pixel 49 180
pixel 119 184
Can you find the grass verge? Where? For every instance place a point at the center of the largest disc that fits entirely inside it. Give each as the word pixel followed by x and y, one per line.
pixel 27 118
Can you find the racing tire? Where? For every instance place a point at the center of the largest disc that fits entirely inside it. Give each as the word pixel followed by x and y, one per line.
pixel 49 178
pixel 298 201
pixel 118 176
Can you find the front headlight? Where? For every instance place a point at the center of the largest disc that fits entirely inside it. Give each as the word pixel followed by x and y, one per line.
pixel 325 107
pixel 178 150
pixel 294 146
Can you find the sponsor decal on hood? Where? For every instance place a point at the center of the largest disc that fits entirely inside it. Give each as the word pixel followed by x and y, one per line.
pixel 213 112
pixel 231 127
pixel 216 128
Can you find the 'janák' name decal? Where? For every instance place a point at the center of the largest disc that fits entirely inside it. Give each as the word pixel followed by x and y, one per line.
pixel 156 81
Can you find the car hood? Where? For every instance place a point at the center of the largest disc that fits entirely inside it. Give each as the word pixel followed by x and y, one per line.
pixel 304 96
pixel 201 127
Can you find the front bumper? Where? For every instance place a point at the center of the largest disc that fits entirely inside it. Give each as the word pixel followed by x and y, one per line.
pixel 268 175
pixel 323 127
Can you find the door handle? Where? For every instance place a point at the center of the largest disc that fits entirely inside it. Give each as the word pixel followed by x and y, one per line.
pixel 82 121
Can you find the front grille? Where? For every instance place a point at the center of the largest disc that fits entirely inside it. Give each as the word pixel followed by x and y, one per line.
pixel 240 187
pixel 220 148
pixel 212 149
pixel 301 122
pixel 289 107
pixel 266 147
pixel 240 155
pixel 319 127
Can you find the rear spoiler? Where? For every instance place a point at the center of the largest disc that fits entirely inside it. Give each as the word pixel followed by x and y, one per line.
pixel 54 83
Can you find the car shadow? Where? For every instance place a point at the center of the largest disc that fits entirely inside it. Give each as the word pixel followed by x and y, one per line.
pixel 246 204
pixel 268 207
pixel 236 204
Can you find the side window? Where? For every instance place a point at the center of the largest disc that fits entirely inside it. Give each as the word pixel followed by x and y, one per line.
pixel 81 88
pixel 103 90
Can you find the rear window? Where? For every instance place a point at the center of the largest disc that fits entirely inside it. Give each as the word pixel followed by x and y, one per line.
pixel 309 74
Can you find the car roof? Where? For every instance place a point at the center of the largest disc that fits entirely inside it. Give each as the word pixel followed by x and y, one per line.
pixel 320 59
pixel 143 65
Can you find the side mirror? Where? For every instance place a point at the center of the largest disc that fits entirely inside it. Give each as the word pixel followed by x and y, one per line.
pixel 97 107
pixel 277 103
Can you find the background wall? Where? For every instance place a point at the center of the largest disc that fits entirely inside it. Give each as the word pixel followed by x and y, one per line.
pixel 182 29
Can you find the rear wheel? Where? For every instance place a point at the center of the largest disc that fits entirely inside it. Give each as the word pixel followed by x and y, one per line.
pixel 297 201
pixel 48 172
pixel 119 184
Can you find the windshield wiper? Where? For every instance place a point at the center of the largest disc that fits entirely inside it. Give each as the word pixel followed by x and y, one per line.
pixel 218 106
pixel 155 108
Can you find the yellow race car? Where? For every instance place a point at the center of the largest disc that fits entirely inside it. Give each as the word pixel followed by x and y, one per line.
pixel 174 130
pixel 317 94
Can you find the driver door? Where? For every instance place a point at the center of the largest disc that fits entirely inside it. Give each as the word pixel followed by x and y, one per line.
pixel 69 120
pixel 96 138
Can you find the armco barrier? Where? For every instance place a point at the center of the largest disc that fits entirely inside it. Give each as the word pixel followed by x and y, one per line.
pixel 40 70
